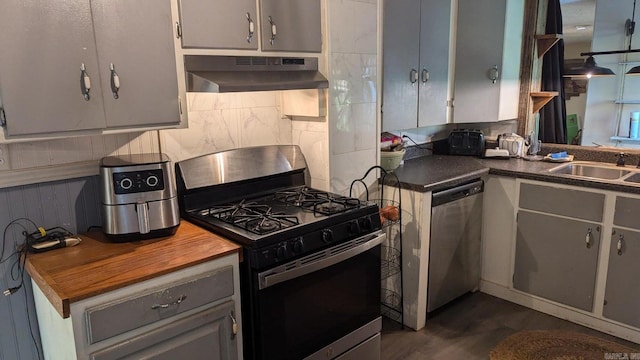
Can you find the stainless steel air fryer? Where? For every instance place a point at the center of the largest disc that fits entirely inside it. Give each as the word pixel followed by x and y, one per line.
pixel 139 197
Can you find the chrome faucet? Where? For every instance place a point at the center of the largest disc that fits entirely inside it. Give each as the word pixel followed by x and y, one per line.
pixel 621 159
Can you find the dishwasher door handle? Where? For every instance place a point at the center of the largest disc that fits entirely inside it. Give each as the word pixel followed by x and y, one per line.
pixel 458 192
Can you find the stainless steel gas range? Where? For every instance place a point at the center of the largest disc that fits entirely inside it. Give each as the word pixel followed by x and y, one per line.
pixel 310 279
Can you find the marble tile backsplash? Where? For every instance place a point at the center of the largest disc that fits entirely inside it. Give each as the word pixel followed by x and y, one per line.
pixel 220 122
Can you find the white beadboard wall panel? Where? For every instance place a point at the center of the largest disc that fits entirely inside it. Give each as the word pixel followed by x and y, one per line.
pixel 73 204
pixel 51 160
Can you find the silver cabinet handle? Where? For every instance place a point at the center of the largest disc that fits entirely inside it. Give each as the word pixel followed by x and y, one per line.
pixel 164 306
pixel 425 76
pixel 234 325
pixel 413 76
pixel 274 31
pixel 251 28
pixel 493 74
pixel 620 244
pixel 588 238
pixel 85 83
pixel 115 81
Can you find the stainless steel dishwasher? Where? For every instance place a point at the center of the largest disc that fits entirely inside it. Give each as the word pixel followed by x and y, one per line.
pixel 454 251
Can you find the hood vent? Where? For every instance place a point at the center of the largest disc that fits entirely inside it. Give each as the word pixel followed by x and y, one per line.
pixel 251 73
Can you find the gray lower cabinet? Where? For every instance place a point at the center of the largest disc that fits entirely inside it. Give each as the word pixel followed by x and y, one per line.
pixel 204 335
pixel 291 25
pixel 87 65
pixel 416 41
pixel 191 313
pixel 622 293
pixel 219 24
pixel 556 258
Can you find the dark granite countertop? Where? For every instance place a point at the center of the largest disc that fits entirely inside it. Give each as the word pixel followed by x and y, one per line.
pixel 437 172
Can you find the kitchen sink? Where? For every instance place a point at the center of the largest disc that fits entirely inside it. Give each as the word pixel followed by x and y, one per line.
pixel 594 170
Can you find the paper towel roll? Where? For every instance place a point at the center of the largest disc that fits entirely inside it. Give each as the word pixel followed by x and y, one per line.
pixel 634 125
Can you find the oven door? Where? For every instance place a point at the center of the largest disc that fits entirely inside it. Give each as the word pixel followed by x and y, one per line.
pixel 311 302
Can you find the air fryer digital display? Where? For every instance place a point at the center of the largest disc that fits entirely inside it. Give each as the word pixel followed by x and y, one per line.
pixel 138 181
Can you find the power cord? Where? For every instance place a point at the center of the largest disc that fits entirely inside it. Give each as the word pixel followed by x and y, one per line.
pixel 421 146
pixel 17 269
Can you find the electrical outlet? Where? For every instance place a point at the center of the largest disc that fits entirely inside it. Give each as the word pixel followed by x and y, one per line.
pixel 4 157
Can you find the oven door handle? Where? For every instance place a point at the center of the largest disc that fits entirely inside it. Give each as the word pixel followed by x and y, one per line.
pixel 280 274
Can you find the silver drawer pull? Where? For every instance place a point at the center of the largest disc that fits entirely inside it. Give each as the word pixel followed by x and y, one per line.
pixel 588 238
pixel 164 306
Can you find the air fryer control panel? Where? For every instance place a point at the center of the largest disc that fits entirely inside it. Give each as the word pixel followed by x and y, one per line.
pixel 138 181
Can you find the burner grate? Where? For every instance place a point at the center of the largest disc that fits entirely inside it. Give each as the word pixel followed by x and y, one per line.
pixel 320 202
pixel 256 218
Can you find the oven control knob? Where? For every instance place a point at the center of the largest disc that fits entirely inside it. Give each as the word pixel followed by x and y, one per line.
pixel 365 223
pixel 327 235
pixel 298 245
pixel 281 251
pixel 354 228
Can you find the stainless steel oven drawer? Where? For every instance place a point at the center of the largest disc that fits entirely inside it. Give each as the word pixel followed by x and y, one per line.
pixel 141 309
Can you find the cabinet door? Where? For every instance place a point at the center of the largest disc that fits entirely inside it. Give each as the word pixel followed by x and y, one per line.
pixel 204 335
pixel 553 260
pixel 137 38
pixel 480 36
pixel 45 45
pixel 622 294
pixel 401 43
pixel 230 24
pixel 435 39
pixel 291 25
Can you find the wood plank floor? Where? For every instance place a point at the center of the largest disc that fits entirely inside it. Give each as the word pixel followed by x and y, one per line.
pixel 469 328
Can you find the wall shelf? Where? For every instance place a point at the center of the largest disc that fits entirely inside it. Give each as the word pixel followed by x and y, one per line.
pixel 627 101
pixel 623 139
pixel 545 42
pixel 541 98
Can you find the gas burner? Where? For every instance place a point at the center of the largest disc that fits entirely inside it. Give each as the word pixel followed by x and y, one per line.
pixel 256 218
pixel 263 225
pixel 320 202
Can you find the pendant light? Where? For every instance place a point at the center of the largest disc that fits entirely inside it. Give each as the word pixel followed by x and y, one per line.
pixel 588 70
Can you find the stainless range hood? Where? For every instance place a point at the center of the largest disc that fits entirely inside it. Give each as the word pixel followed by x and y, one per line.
pixel 208 73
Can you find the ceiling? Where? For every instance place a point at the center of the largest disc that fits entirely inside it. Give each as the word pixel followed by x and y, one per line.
pixel 577 20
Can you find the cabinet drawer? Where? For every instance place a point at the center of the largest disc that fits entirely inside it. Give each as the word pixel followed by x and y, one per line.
pixel 627 212
pixel 204 335
pixel 124 315
pixel 560 201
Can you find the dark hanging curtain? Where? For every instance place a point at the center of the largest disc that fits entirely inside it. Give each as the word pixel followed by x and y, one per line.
pixel 553 116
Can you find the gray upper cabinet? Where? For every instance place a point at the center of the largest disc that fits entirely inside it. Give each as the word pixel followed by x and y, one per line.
pixel 42 84
pixel 479 46
pixel 416 41
pixel 135 38
pixel 40 76
pixel 229 24
pixel 291 25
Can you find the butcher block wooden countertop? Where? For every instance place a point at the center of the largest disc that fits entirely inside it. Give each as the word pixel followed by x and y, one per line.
pixel 96 266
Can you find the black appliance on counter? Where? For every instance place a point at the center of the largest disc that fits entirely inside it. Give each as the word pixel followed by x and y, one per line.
pixel 310 279
pixel 466 142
